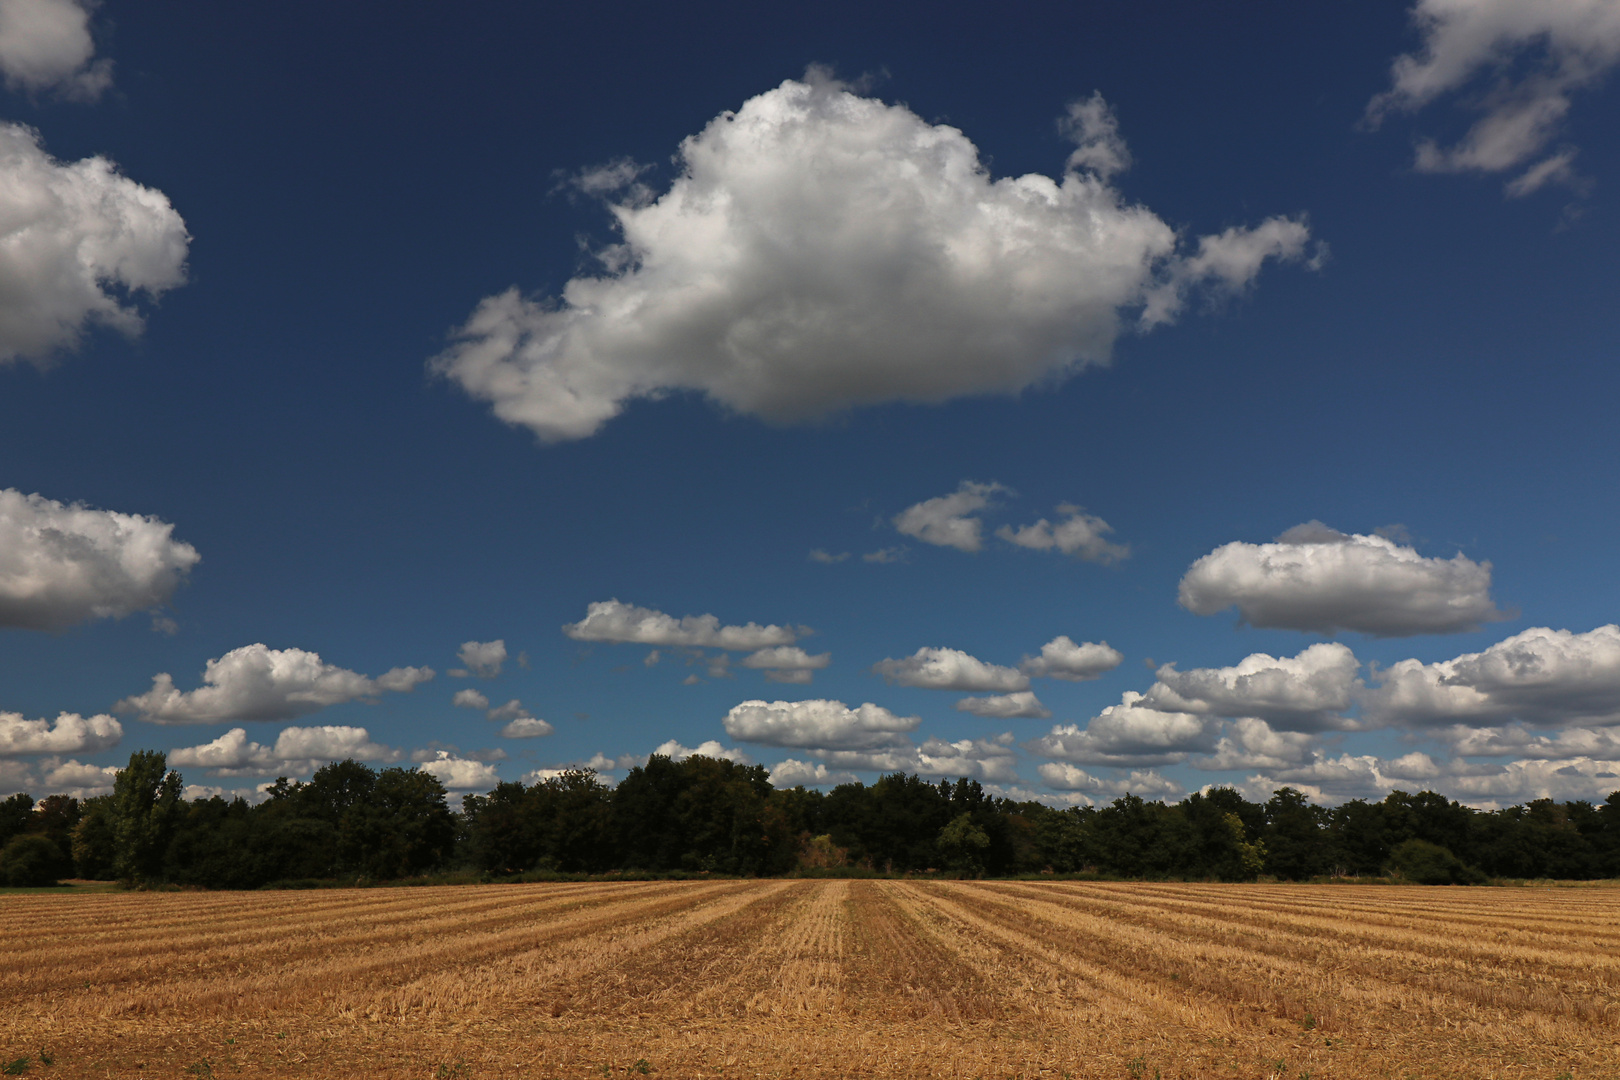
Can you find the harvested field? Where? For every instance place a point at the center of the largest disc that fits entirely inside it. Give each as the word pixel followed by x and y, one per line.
pixel 817 978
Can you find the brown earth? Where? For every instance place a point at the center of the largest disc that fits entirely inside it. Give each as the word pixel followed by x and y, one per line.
pixel 817 978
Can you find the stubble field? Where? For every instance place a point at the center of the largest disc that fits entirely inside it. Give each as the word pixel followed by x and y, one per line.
pixel 817 978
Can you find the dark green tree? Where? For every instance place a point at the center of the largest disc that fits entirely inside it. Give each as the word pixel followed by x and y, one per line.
pixel 145 807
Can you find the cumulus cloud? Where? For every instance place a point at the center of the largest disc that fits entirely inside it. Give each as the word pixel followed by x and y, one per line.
pixel 70 733
pixel 1251 743
pixel 821 250
pixel 616 623
pixel 1535 57
pixel 1308 692
pixel 460 774
pixel 787 663
pixel 66 564
pixel 709 749
pixel 519 722
pixel 79 239
pixel 1061 658
pixel 820 556
pixel 1540 677
pixel 1226 263
pixel 46 45
pixel 1521 781
pixel 885 555
pixel 1079 534
pixel 950 669
pixel 469 699
pixel 1518 741
pixel 1130 733
pixel 256 682
pixel 1143 783
pixel 296 750
pixel 978 759
pixel 793 773
pixel 949 520
pixel 1023 704
pixel 74 778
pixel 481 658
pixel 1314 578
pixel 818 724
pixel 525 727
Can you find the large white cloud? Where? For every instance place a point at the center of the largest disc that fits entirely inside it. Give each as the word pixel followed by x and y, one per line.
pixel 481 658
pixel 1534 55
pixel 1308 692
pixel 951 669
pixel 256 682
pixel 818 724
pixel 613 622
pixel 1130 733
pixel 1082 535
pixel 70 733
pixel 1314 578
pixel 61 565
pixel 1061 658
pixel 296 750
pixel 68 235
pixel 1251 743
pixel 1540 677
pixel 1518 741
pixel 821 250
pixel 950 520
pixel 46 45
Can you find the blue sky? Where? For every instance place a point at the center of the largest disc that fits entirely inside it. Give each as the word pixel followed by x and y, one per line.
pixel 780 382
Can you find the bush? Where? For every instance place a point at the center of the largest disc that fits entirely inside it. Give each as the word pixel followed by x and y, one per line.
pixel 1423 863
pixel 31 859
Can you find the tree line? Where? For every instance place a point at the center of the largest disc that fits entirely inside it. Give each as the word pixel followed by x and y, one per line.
pixel 351 822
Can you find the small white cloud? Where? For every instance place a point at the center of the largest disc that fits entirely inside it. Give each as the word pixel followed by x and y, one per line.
pixel 1227 263
pixel 259 683
pixel 70 733
pixel 1541 678
pixel 1021 705
pixel 1079 534
pixel 793 773
pixel 510 710
pixel 79 237
pixel 616 623
pixel 818 724
pixel 460 774
pixel 1061 658
pixel 481 658
pixel 526 727
pixel 949 521
pixel 977 759
pixel 1130 733
pixel 651 659
pixel 1098 146
pixel 296 750
pixel 469 699
pixel 885 555
pixel 820 250
pixel 820 556
pixel 709 749
pixel 66 564
pixel 951 669
pixel 1312 578
pixel 786 663
pixel 1146 784
pixel 1536 56
pixel 72 778
pixel 1308 692
pixel 46 45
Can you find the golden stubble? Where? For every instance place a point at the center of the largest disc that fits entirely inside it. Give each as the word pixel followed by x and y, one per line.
pixel 814 978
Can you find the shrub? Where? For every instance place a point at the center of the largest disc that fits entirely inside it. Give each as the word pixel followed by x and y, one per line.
pixel 29 860
pixel 1423 863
